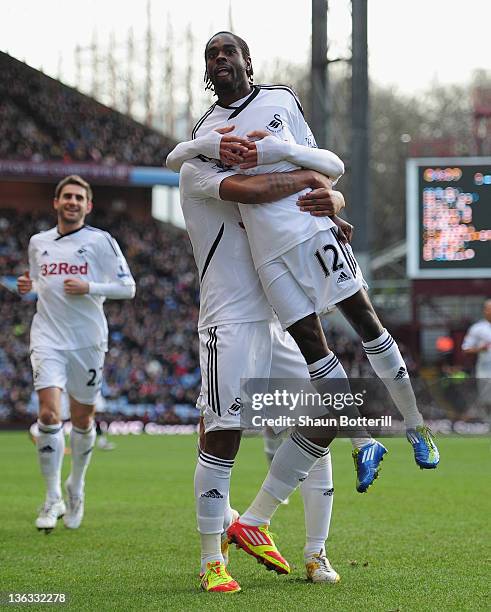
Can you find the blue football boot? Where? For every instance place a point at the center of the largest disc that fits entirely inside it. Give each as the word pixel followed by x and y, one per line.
pixel 367 464
pixel 426 453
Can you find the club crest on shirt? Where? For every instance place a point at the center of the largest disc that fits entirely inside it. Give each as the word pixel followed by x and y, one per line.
pixel 276 124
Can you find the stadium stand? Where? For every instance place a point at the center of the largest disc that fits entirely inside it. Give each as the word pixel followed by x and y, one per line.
pixel 41 119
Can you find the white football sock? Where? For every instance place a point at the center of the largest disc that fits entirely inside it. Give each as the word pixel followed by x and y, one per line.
pixel 227 515
pixel 211 550
pixel 386 360
pixel 290 466
pixel 360 442
pixel 317 493
pixel 211 491
pixel 82 442
pixel 272 443
pixel 51 448
pixel 330 367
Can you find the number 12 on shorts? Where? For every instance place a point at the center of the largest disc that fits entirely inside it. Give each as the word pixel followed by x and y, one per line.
pixel 336 264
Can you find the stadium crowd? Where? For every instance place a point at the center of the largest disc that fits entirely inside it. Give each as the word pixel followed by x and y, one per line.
pixel 41 119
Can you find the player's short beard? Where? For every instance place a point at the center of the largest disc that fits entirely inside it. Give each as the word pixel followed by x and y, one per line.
pixel 225 88
pixel 228 87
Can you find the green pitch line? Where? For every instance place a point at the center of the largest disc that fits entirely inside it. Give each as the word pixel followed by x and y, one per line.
pixel 415 541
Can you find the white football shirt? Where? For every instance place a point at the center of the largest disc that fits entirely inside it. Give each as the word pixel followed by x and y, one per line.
pixel 477 335
pixel 71 322
pixel 230 288
pixel 272 229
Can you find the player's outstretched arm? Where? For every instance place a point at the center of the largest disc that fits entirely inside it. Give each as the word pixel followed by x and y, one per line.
pixel 267 149
pixel 214 145
pixel 208 145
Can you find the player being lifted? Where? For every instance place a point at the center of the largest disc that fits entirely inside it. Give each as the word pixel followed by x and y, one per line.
pixel 303 267
pixel 73 267
pixel 301 276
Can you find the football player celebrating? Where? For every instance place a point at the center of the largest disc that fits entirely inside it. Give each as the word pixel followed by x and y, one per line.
pixel 73 267
pixel 304 269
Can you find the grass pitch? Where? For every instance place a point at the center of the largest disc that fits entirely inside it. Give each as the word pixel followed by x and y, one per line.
pixel 416 541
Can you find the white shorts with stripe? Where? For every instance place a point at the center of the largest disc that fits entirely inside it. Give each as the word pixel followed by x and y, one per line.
pixel 229 353
pixel 313 276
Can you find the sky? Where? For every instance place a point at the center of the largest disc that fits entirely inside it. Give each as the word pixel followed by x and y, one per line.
pixel 412 44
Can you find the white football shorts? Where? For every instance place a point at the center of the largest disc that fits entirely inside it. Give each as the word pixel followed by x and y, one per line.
pixel 229 353
pixel 313 276
pixel 79 372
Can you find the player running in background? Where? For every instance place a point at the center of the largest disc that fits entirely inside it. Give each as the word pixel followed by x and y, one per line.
pixel 73 267
pixel 477 342
pixel 102 442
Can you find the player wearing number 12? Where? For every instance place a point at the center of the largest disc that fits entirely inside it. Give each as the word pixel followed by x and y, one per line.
pixel 73 267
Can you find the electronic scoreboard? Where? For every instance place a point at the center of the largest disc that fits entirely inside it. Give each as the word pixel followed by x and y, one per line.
pixel 449 217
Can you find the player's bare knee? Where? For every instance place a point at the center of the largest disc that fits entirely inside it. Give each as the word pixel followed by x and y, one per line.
pixel 48 413
pixel 359 311
pixel 222 443
pixel 82 415
pixel 321 440
pixel 82 421
pixel 309 337
pixel 370 327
